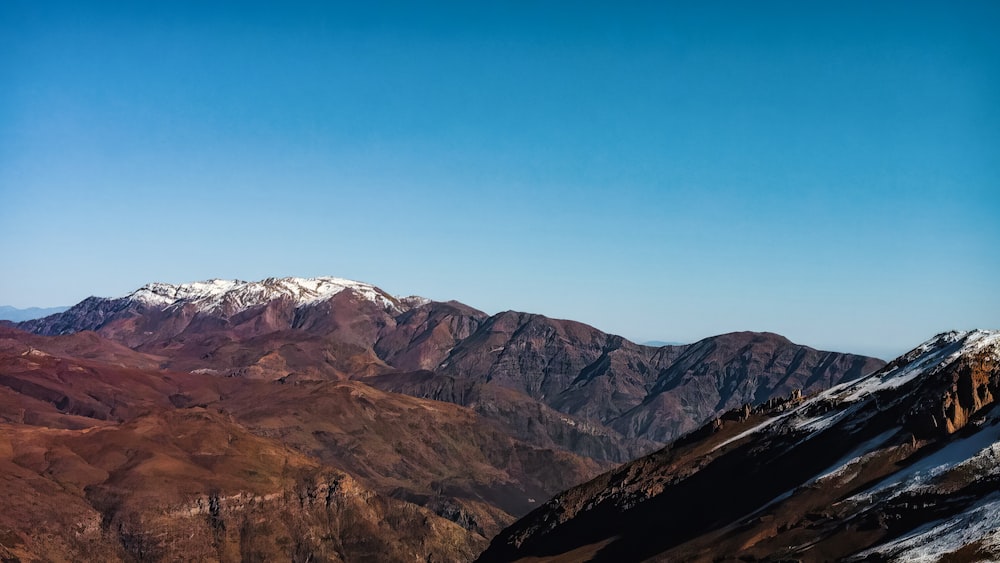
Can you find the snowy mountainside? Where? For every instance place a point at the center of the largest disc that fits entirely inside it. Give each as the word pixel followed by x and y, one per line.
pixel 218 295
pixel 218 298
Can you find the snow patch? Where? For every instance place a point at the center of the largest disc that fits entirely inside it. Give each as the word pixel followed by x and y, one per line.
pixel 928 543
pixel 753 430
pixel 229 296
pixel 979 451
pixel 926 359
pixel 855 455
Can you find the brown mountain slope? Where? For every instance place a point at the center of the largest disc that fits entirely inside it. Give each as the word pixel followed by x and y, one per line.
pixel 519 415
pixel 439 454
pixel 43 383
pixel 329 339
pixel 190 485
pixel 424 336
pixel 652 393
pixel 432 454
pixel 726 371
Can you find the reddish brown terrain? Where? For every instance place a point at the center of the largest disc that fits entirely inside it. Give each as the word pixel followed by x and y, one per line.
pixel 596 394
pixel 323 419
pixel 105 438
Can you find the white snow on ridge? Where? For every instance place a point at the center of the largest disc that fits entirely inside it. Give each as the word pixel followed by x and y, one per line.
pixel 235 295
pixel 928 358
pixel 846 398
pixel 854 456
pixel 980 523
pixel 979 453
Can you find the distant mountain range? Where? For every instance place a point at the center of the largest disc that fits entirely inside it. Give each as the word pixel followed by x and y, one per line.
pixel 409 428
pixel 658 343
pixel 8 313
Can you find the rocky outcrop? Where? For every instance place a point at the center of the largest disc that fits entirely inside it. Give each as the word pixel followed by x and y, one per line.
pixel 959 395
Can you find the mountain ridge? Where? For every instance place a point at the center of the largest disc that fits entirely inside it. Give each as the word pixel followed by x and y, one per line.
pixel 332 328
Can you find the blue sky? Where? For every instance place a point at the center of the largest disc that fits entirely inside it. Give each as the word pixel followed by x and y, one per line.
pixel 828 171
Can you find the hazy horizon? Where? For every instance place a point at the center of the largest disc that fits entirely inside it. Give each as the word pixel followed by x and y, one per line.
pixel 828 172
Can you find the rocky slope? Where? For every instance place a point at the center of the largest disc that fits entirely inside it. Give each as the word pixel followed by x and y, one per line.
pixel 638 391
pixel 519 415
pixel 900 465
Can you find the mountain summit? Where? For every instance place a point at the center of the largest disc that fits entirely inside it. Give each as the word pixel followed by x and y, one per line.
pixel 232 296
pixel 224 298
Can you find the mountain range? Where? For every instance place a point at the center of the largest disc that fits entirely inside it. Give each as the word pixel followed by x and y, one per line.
pixel 293 329
pixel 901 465
pixel 381 428
pixel 8 313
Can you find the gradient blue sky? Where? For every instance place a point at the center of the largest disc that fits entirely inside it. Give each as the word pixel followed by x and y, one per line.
pixel 829 171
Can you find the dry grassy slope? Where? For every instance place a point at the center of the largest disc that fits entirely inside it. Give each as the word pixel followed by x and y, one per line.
pixel 44 381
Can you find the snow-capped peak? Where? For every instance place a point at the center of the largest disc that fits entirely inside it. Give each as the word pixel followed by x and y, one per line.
pixel 842 401
pixel 928 358
pixel 231 296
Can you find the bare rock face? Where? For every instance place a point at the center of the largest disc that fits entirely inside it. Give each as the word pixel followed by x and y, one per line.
pixel 955 399
pixel 423 337
pixel 857 472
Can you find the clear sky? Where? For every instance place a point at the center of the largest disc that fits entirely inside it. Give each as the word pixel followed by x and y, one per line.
pixel 826 170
